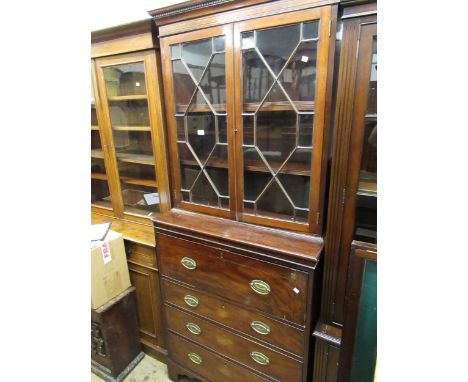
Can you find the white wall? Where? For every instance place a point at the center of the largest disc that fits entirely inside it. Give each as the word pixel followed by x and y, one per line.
pixel 109 13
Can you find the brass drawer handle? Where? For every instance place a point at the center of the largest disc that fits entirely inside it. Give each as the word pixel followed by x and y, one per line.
pixel 188 263
pixel 193 328
pixel 260 327
pixel 191 301
pixel 260 358
pixel 195 358
pixel 260 287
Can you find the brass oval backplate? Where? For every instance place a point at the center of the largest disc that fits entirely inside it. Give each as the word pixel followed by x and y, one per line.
pixel 191 301
pixel 193 328
pixel 195 358
pixel 260 327
pixel 260 287
pixel 188 263
pixel 260 358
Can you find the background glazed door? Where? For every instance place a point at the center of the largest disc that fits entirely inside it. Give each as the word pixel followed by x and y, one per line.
pixel 128 90
pixel 100 193
pixel 281 73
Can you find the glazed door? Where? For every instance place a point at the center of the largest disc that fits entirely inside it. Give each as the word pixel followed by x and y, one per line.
pixel 365 219
pixel 128 89
pixel 360 202
pixel 100 191
pixel 198 79
pixel 281 66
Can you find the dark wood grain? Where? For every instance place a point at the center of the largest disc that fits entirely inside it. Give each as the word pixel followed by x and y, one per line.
pixel 240 14
pixel 352 91
pixel 196 8
pixel 141 254
pixel 114 333
pixel 351 97
pixel 326 361
pixel 234 316
pixel 213 366
pixel 233 346
pixel 228 254
pixel 149 313
pixel 329 333
pixel 278 242
pixel 228 275
pixel 122 30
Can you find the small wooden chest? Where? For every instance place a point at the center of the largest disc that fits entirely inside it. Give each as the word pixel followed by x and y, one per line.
pixel 115 343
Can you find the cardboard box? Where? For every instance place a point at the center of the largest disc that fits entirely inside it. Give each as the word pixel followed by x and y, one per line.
pixel 109 270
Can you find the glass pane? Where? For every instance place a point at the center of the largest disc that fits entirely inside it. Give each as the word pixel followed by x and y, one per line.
pixel 256 174
pixel 133 142
pixel 201 122
pixel 184 87
pixel 276 135
pixel 277 44
pixel 175 51
pixel 248 129
pixel 301 215
pixel 256 79
pixel 202 191
pixel 180 126
pixel 306 130
pixel 134 173
pixel 133 113
pixel 278 120
pixel 201 134
pixel 140 199
pixel 213 83
pixel 216 167
pixel 365 345
pixel 366 203
pixel 222 129
pixel 310 30
pixel 248 40
pixel 98 167
pixel 189 167
pixel 274 203
pixel 298 78
pixel 218 43
pixel 196 55
pixel 125 80
pixel 94 121
pixel 297 187
pixel 100 194
pixel 95 140
pixel 298 163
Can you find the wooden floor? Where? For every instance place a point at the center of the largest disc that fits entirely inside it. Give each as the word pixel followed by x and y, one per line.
pixel 148 370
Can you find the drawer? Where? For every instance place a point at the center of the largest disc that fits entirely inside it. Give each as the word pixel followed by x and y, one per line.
pixel 140 254
pixel 207 364
pixel 273 332
pixel 271 288
pixel 248 352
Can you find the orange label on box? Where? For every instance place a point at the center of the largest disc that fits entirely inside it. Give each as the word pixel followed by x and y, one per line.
pixel 105 251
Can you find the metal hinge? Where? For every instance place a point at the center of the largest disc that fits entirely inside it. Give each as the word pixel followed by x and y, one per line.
pixel 343 198
pixel 318 218
pixel 329 27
